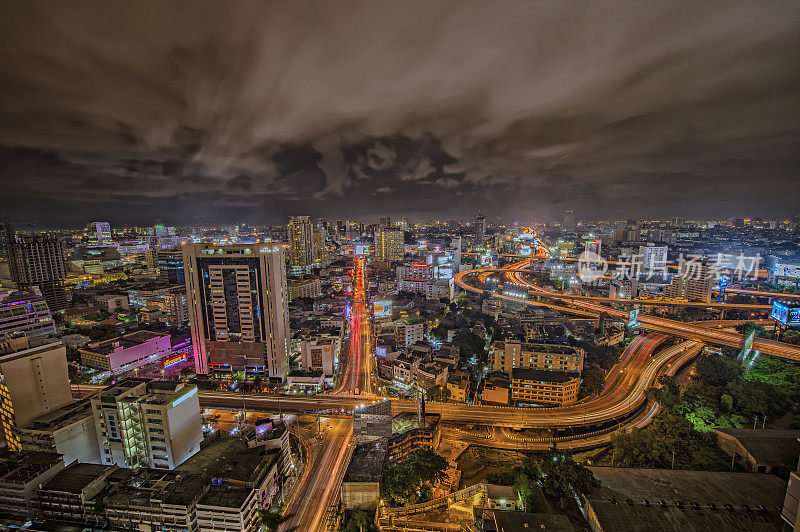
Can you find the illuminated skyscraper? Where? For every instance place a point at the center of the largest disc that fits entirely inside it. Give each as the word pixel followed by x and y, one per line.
pixel 99 232
pixel 39 261
pixel 389 246
pixel 568 224
pixel 306 244
pixel 238 308
pixel 480 230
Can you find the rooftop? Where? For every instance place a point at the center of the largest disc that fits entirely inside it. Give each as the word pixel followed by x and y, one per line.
pixel 664 499
pixel 366 464
pixel 125 342
pixel 517 521
pixel 76 477
pixel 406 421
pixel 768 446
pixel 542 375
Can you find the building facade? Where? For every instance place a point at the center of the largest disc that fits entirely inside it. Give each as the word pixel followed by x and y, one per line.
pixel 238 307
pixel 544 387
pixel 510 354
pixel 25 312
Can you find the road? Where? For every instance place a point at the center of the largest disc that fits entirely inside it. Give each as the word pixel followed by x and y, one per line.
pixel 357 376
pixel 322 476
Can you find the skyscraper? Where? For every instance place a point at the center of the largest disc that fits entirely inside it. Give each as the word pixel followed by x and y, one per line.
pixel 170 266
pixel 38 261
pixel 480 229
pixel 568 224
pixel 306 244
pixel 389 246
pixel 238 307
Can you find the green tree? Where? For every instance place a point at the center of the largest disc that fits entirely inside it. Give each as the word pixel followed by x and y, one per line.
pixel 273 520
pixel 726 403
pixel 439 393
pixel 593 378
pixel 404 483
pixel 562 478
pixel 717 371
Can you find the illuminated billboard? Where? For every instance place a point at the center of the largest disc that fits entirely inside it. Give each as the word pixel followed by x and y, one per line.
pixel 362 249
pixel 633 318
pixel 748 344
pixel 382 309
pixel 785 314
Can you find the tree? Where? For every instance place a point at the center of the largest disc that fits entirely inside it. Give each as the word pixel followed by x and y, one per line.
pixel 669 383
pixel 439 393
pixel 717 371
pixel 593 378
pixel 360 519
pixel 273 520
pixel 726 403
pixel 405 482
pixel 562 478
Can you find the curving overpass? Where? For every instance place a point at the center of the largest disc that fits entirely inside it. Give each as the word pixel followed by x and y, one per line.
pixel 688 331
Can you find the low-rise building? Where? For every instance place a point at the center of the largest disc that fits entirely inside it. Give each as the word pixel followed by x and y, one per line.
pixel 127 352
pixel 24 473
pixel 112 302
pixel 666 499
pixel 410 432
pixel 458 384
pixel 250 483
pixel 320 353
pixel 65 498
pixel 362 480
pixel 761 450
pixel 544 387
pixel 307 287
pixel 496 389
pixel 510 354
pixel 409 331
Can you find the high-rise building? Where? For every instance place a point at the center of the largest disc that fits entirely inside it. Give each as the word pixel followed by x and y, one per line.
pixel 238 307
pixel 39 261
pixel 147 423
pixel 653 258
pixel 389 246
pixel 170 266
pixel 568 222
pixel 99 232
pixel 306 244
pixel 480 230
pixel 386 221
pixel 33 382
pixel 25 312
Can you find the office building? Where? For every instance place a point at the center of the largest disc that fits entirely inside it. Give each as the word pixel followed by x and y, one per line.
pixel 170 266
pixel 152 424
pixel 568 222
pixel 39 261
pixel 126 353
pixel 510 354
pixel 306 244
pixel 99 233
pixel 320 354
pixel 388 246
pixel 33 382
pixel 25 312
pixel 238 308
pixel 540 386
pixel 480 230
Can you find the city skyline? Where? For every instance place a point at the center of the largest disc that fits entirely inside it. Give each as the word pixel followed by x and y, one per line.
pixel 259 113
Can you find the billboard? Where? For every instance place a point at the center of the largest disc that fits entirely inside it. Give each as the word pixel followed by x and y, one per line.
pixel 785 314
pixel 748 344
pixel 633 318
pixel 362 249
pixel 382 309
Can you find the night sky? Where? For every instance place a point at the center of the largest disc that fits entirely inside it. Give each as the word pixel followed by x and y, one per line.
pixel 185 112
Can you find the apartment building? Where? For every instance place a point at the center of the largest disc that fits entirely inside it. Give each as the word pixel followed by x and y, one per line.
pixel 408 332
pixel 509 354
pixel 544 387
pixel 25 312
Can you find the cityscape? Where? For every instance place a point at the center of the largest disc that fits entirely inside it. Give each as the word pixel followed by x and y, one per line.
pixel 452 267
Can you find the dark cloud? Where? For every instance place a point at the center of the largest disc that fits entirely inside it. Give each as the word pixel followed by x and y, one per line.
pixel 195 111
